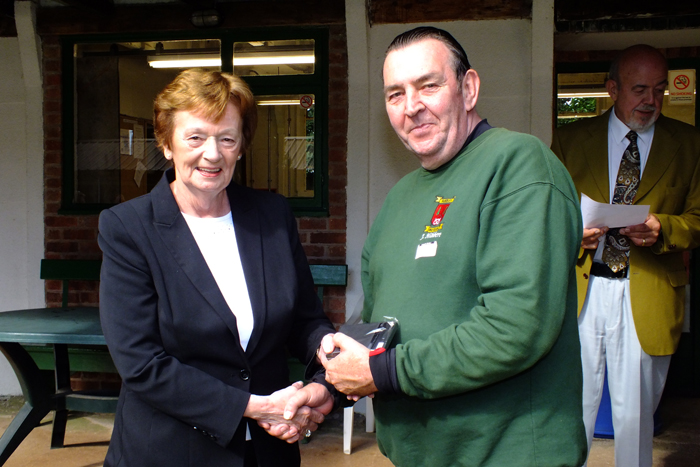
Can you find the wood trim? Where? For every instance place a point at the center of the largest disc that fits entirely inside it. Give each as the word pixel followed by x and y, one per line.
pixel 584 56
pixel 578 10
pixel 176 17
pixel 98 6
pixel 420 11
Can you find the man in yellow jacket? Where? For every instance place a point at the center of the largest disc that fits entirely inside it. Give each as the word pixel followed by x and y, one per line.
pixel 631 281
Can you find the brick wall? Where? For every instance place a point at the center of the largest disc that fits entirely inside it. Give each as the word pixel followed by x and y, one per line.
pixel 66 237
pixel 324 237
pixel 75 236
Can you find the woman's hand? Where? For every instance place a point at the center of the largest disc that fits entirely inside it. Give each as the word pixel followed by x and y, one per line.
pixel 269 411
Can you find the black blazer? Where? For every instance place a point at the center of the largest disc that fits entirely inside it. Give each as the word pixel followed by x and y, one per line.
pixel 173 338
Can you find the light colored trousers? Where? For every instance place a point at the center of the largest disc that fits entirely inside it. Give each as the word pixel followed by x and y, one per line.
pixel 635 379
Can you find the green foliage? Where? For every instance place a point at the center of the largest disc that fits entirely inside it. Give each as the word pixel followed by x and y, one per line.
pixel 310 121
pixel 576 105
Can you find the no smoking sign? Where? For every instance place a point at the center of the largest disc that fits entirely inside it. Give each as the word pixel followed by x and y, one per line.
pixel 306 102
pixel 681 88
pixel 681 82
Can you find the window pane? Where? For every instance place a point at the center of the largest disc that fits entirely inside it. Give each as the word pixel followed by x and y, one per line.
pixel 265 58
pixel 581 95
pixel 116 157
pixel 281 158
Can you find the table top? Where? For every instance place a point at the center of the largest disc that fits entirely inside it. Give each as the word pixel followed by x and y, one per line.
pixel 73 325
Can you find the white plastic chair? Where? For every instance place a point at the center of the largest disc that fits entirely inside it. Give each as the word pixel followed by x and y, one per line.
pixel 349 412
pixel 348 420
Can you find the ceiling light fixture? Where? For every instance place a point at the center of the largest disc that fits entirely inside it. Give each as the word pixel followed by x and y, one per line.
pixel 584 94
pixel 280 102
pixel 184 61
pixel 210 60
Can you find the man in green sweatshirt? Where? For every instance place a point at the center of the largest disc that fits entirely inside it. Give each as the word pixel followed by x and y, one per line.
pixel 474 254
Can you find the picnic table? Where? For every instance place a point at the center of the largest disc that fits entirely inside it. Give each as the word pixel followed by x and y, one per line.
pixel 58 328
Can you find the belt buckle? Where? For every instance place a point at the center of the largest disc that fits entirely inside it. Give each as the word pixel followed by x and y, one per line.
pixel 602 270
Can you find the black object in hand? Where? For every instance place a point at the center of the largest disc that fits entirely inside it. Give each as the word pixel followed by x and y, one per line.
pixel 371 335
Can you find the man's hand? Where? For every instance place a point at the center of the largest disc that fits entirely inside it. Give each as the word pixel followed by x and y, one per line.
pixel 645 234
pixel 313 395
pixel 349 371
pixel 591 237
pixel 268 411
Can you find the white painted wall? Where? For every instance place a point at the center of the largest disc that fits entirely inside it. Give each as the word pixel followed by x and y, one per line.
pixel 542 66
pixel 21 175
pixel 359 78
pixel 13 173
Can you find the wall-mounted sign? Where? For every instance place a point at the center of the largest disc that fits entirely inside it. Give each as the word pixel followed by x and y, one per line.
pixel 681 87
pixel 306 102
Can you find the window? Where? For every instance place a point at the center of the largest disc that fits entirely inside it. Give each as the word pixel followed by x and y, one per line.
pixel 110 155
pixel 581 95
pixel 282 155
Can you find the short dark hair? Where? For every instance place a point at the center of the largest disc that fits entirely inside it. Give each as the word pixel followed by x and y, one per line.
pixel 460 62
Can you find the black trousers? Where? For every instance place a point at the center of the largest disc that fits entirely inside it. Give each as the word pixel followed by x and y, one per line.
pixel 250 459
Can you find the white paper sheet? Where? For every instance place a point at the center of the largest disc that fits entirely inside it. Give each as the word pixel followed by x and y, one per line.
pixel 612 215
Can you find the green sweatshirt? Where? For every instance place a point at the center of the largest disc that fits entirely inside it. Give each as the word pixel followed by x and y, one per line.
pixel 476 260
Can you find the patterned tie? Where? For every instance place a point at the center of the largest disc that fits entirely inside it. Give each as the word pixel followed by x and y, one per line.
pixel 617 248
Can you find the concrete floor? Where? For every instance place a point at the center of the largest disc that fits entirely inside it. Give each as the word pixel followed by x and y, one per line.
pixel 87 438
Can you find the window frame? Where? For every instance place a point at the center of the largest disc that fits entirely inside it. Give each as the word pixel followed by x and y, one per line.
pixel 316 84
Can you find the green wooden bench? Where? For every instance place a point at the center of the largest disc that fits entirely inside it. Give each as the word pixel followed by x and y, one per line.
pixel 81 358
pixel 329 274
pixel 67 270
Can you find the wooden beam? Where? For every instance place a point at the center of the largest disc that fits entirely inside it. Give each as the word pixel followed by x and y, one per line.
pixel 99 6
pixel 200 4
pixel 424 11
pixel 7 19
pixel 176 17
pixel 580 10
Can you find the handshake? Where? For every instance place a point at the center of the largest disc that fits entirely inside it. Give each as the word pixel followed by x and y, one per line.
pixel 297 410
pixel 293 412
